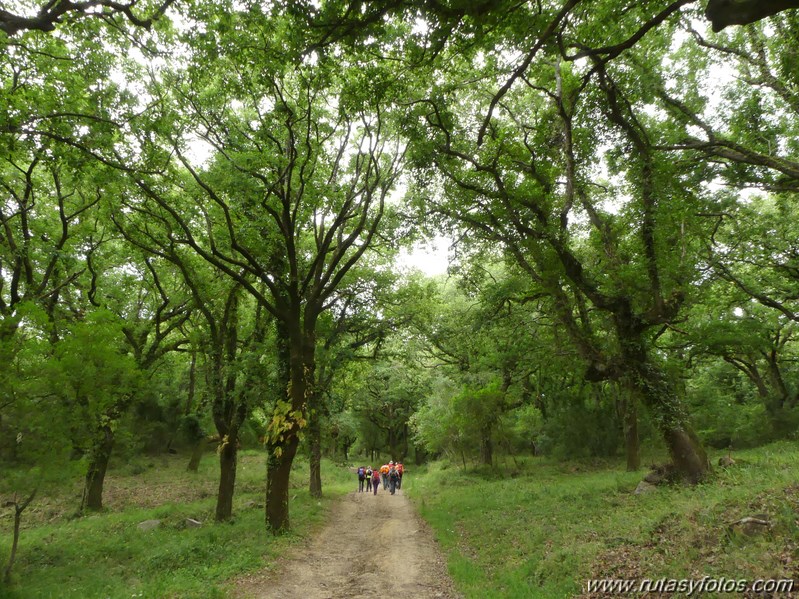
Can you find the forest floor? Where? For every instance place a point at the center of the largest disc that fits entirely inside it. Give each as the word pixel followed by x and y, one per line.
pixel 536 528
pixel 371 544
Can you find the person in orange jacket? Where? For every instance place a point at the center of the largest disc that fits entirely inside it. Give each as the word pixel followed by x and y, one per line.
pixel 400 470
pixel 384 475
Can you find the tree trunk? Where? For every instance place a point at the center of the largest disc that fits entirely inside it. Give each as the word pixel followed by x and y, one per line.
pixel 18 509
pixel 229 408
pixel 487 448
pixel 228 456
pixel 278 470
pixel 632 444
pixel 392 442
pixel 95 475
pixel 192 384
pixel 686 453
pixel 781 399
pixel 723 13
pixel 629 408
pixel 685 449
pixel 196 455
pixel 403 456
pixel 296 366
pixel 315 457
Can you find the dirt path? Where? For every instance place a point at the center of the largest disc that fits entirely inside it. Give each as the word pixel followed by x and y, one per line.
pixel 355 557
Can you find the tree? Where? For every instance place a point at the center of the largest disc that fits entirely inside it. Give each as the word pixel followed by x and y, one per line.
pixel 54 12
pixel 50 233
pixel 153 310
pixel 748 316
pixel 515 168
pixel 342 330
pixel 304 160
pixel 92 372
pixel 230 333
pixel 723 13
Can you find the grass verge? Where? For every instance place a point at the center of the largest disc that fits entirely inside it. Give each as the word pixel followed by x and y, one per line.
pixel 548 528
pixel 105 555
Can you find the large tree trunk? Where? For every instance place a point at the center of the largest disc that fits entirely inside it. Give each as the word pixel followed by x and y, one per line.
pixel 229 407
pixel 278 464
pixel 228 456
pixel 780 400
pixel 723 13
pixel 296 366
pixel 651 384
pixel 686 453
pixel 98 465
pixel 685 449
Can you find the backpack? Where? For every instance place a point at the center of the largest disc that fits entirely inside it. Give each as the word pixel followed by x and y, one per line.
pixel 368 473
pixel 360 472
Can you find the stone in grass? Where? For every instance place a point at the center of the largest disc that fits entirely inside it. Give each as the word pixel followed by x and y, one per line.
pixel 661 474
pixel 644 487
pixel 192 523
pixel 149 525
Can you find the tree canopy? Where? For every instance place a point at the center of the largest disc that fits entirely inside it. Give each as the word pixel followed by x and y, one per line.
pixel 203 204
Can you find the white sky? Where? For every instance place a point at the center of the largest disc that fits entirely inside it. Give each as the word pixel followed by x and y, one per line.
pixel 431 258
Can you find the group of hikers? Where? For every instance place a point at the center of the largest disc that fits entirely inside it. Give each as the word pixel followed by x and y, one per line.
pixel 389 475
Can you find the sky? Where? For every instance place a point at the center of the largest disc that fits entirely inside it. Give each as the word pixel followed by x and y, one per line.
pixel 432 258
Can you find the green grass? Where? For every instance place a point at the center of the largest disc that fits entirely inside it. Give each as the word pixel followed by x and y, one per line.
pixel 105 555
pixel 546 531
pixel 542 533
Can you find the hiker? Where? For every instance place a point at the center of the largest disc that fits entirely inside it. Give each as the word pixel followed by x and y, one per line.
pixel 393 478
pixel 361 478
pixel 375 480
pixel 368 476
pixel 400 470
pixel 384 475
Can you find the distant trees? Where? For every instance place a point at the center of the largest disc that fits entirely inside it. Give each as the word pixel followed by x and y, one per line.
pixel 507 379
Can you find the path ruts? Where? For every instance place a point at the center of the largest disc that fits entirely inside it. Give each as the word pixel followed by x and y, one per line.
pixel 373 546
